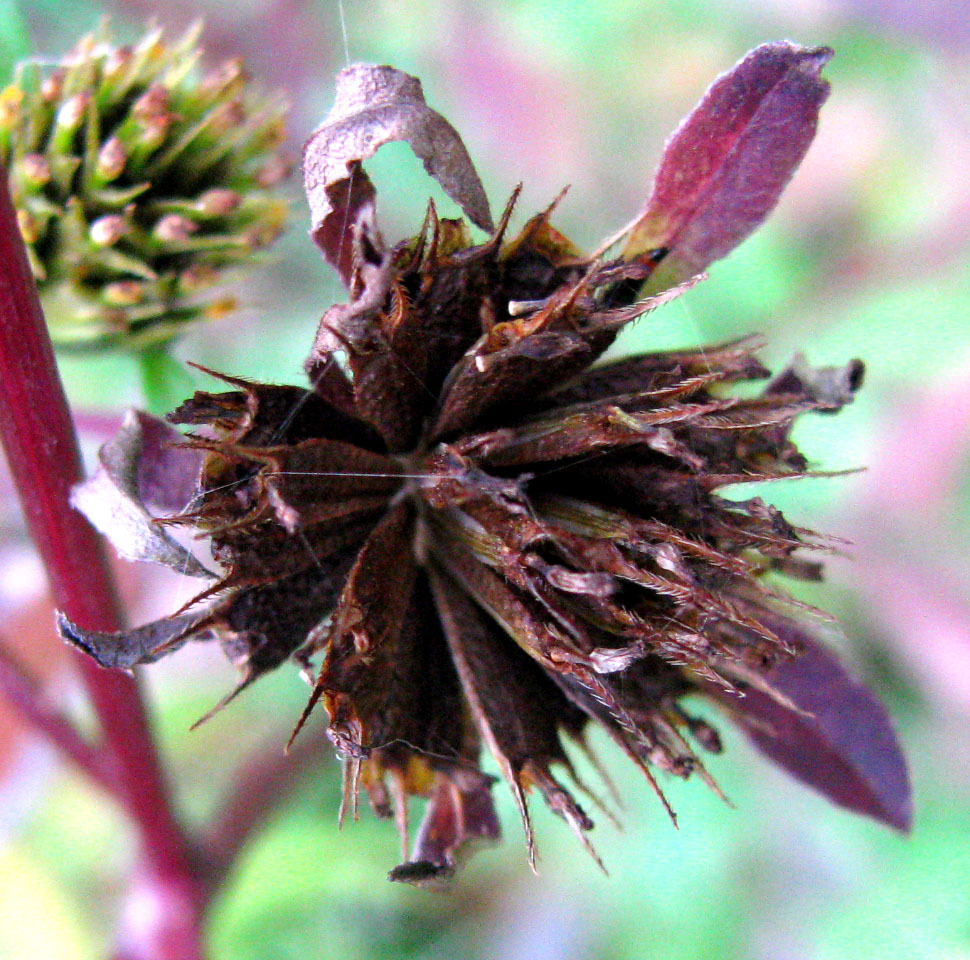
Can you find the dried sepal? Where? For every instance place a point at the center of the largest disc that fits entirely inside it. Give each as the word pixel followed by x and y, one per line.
pixel 125 649
pixel 460 817
pixel 366 622
pixel 517 709
pixel 830 387
pixel 564 335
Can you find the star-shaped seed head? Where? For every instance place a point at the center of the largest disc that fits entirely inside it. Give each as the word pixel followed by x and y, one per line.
pixel 474 536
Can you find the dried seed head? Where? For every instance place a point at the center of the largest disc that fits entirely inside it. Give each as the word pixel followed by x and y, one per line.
pixel 484 539
pixel 173 157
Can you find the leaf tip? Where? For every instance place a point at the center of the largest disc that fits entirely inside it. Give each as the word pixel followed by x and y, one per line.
pixel 70 633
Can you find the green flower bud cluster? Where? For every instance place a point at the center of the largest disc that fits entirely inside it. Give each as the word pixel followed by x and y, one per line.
pixel 137 180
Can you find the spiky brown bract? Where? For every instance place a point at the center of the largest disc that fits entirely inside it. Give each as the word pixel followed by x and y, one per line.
pixel 511 544
pixel 136 182
pixel 487 539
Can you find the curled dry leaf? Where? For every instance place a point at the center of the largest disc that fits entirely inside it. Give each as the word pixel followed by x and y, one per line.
pixel 727 163
pixel 143 466
pixel 460 817
pixel 375 105
pixel 125 649
pixel 824 727
pixel 832 387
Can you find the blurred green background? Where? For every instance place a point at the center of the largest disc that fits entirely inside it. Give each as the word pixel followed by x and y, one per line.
pixel 865 256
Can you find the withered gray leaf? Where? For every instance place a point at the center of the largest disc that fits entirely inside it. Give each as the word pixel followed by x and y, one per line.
pixel 139 468
pixel 376 105
pixel 831 387
pixel 124 649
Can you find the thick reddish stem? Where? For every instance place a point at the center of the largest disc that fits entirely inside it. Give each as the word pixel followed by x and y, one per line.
pixel 25 694
pixel 41 447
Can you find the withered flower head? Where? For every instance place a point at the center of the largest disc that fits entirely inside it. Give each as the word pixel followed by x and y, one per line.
pixel 137 181
pixel 487 538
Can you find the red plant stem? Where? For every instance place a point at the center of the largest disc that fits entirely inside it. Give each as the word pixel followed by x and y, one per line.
pixel 24 693
pixel 42 451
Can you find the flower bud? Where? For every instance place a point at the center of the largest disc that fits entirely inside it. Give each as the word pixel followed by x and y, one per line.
pixel 112 158
pixel 174 228
pixel 219 202
pixel 107 231
pixel 164 172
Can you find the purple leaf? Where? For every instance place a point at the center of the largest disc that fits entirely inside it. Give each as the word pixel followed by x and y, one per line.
pixel 143 466
pixel 726 164
pixel 375 105
pixel 832 734
pixel 168 471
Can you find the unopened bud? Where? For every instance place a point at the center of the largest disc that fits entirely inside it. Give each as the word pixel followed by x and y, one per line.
pixel 155 130
pixel 115 62
pixel 36 169
pixel 219 202
pixel 227 117
pixel 174 228
pixel 221 308
pixel 197 277
pixel 112 158
pixel 10 101
pixel 151 104
pixel 107 231
pixel 29 226
pixel 52 86
pixel 272 172
pixel 261 236
pixel 228 75
pixel 124 293
pixel 71 113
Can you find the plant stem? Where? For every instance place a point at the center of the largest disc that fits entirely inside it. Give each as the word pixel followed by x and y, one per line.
pixel 24 693
pixel 41 446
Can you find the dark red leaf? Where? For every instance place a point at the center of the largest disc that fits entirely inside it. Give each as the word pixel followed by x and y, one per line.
pixel 835 736
pixel 725 166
